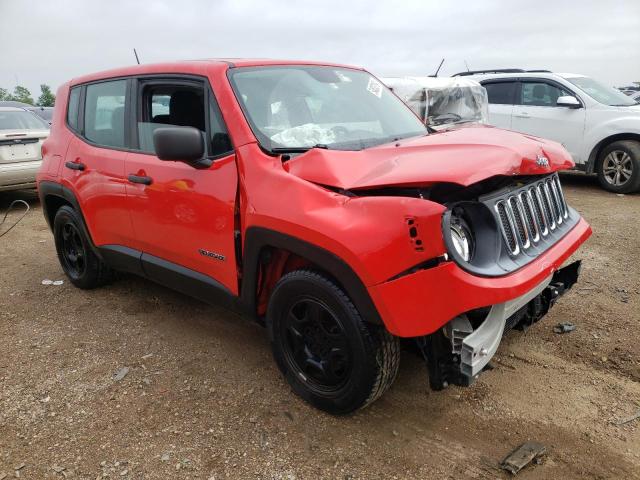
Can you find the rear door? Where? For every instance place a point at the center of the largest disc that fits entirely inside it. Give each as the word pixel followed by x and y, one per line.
pixel 502 96
pixel 94 164
pixel 537 113
pixel 183 217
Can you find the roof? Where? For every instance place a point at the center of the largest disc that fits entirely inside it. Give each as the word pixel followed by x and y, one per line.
pixel 196 67
pixel 571 75
pixel 11 109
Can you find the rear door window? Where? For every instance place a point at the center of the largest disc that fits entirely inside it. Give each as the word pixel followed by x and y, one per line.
pixel 501 93
pixel 104 113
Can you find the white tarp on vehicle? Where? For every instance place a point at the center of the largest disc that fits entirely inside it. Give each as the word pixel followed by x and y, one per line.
pixel 441 102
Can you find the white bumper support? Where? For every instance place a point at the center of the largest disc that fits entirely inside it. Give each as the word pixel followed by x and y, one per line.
pixel 479 347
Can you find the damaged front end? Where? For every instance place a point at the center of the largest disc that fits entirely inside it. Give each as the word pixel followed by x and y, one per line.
pixel 458 352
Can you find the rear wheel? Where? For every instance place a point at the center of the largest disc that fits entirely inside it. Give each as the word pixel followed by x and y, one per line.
pixel 619 167
pixel 329 355
pixel 79 262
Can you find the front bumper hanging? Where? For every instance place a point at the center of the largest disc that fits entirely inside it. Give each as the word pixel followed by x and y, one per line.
pixel 458 353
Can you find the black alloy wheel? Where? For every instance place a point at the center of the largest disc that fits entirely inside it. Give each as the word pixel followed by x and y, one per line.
pixel 316 345
pixel 75 251
pixel 329 354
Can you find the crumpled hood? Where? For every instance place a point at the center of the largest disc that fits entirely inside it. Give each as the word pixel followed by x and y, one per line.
pixel 464 156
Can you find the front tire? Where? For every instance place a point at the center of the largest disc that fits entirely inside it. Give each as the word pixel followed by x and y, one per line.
pixel 619 167
pixel 330 356
pixel 75 253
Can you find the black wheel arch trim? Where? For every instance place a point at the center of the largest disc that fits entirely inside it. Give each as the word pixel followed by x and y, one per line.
pixel 52 189
pixel 259 238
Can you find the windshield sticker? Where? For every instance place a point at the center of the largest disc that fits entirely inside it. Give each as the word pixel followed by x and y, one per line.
pixel 375 87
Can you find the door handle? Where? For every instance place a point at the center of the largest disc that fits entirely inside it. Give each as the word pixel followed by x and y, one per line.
pixel 522 115
pixel 140 179
pixel 75 165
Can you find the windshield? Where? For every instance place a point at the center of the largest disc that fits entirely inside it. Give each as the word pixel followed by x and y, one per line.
pixel 602 93
pixel 20 120
pixel 299 107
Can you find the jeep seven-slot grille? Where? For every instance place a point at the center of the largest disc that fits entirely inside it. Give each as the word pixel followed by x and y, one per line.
pixel 507 229
pixel 529 216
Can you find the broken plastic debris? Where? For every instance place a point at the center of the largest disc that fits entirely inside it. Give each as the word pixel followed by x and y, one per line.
pixel 46 281
pixel 58 282
pixel 120 374
pixel 628 419
pixel 564 327
pixel 523 456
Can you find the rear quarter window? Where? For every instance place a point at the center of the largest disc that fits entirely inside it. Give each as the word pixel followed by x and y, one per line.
pixel 73 108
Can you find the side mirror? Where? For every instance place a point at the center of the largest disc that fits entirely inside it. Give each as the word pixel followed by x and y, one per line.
pixel 568 101
pixel 180 144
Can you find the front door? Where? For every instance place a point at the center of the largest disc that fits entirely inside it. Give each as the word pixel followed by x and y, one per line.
pixel 183 217
pixel 538 114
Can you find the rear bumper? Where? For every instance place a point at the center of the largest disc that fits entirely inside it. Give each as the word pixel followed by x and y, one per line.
pixel 14 176
pixel 421 303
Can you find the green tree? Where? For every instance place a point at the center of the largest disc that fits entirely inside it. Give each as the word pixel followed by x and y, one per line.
pixel 46 98
pixel 3 93
pixel 21 94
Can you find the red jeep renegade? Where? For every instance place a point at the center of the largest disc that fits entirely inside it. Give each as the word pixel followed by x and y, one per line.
pixel 309 196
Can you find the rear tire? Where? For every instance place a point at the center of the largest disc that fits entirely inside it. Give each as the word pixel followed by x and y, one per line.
pixel 619 167
pixel 330 356
pixel 75 252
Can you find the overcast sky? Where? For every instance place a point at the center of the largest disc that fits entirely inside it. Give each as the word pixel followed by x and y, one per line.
pixel 51 41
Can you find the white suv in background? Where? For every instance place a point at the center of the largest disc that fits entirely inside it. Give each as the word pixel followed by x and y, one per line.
pixel 597 124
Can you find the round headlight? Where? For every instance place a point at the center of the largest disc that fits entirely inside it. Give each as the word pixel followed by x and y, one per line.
pixel 462 240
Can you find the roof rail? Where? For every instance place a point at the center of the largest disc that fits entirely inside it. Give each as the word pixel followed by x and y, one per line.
pixel 498 70
pixel 493 70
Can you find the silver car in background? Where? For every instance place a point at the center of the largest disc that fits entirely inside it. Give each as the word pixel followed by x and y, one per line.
pixel 21 137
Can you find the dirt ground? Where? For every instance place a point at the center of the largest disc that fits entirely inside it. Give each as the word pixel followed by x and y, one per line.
pixel 203 398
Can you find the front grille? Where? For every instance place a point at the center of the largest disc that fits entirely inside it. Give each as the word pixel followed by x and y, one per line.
pixel 518 216
pixel 562 201
pixel 536 201
pixel 529 216
pixel 546 205
pixel 507 227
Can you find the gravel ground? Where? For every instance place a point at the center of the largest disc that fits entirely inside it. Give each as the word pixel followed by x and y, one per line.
pixel 203 399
